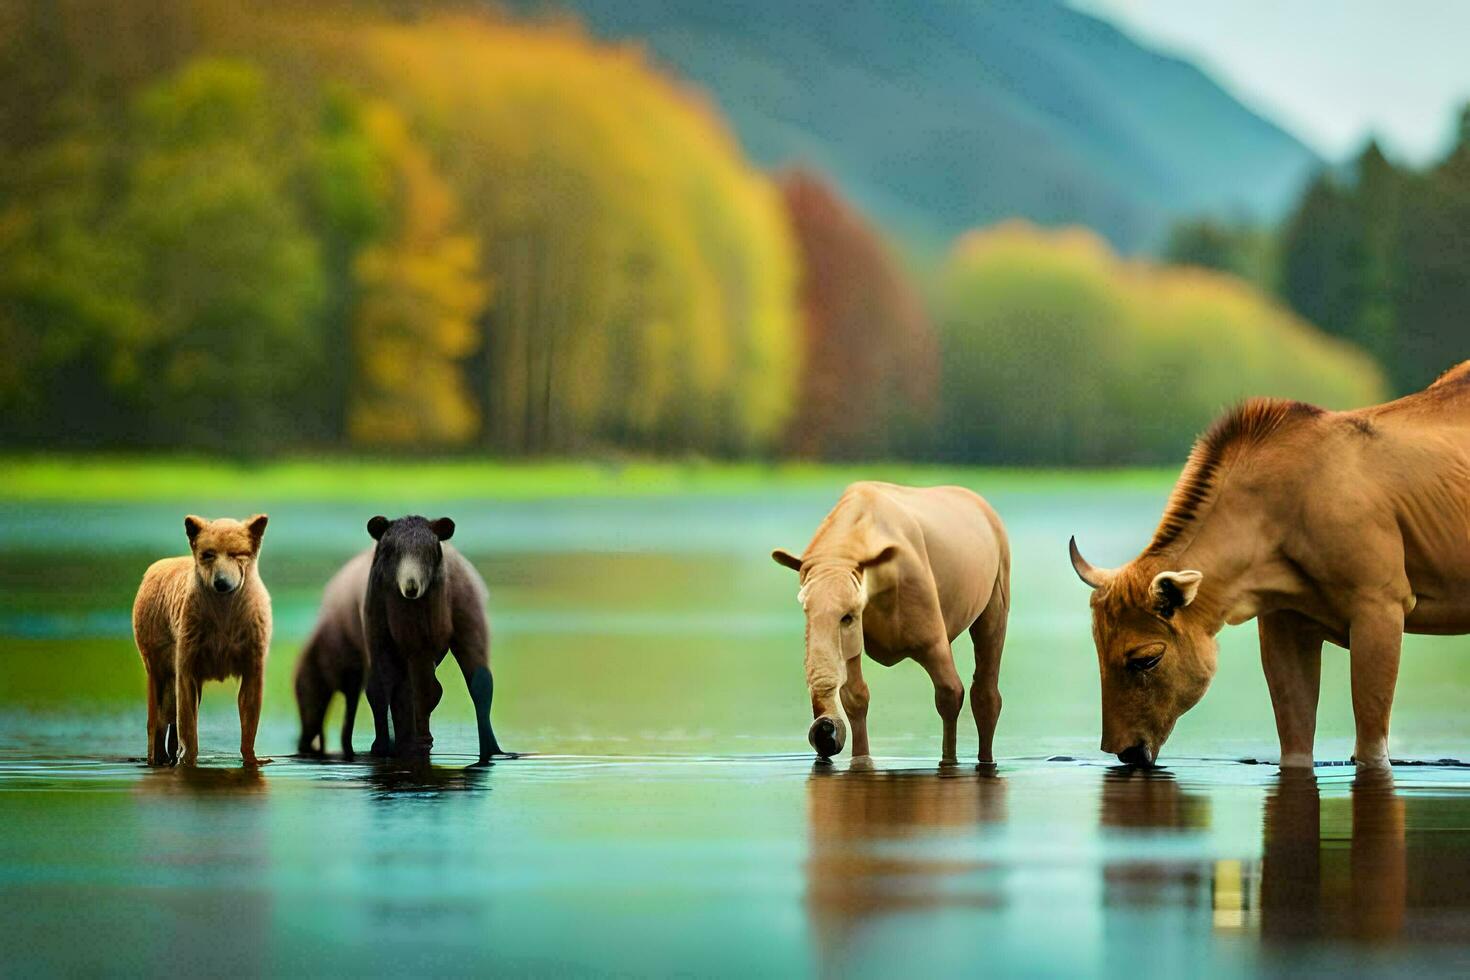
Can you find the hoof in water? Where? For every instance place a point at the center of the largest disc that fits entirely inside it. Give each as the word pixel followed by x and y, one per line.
pixel 826 736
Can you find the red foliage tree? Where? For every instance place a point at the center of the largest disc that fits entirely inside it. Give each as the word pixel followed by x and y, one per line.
pixel 870 375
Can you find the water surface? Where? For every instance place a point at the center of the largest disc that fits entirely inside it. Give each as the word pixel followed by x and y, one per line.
pixel 669 818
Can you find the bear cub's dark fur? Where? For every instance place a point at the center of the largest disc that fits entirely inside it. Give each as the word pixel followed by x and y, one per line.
pixel 388 619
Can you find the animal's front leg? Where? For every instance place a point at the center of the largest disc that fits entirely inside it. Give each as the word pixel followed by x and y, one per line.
pixel 1291 653
pixel 855 703
pixel 949 695
pixel 1375 637
pixel 157 723
pixel 187 696
pixel 383 676
pixel 426 691
pixel 252 693
pixel 471 652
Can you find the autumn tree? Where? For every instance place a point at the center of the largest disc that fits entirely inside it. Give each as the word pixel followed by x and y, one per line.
pixel 870 368
pixel 418 297
pixel 643 272
pixel 247 228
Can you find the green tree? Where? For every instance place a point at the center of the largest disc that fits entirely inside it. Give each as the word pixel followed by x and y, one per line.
pixel 1317 277
pixel 1379 259
pixel 1240 248
pixel 1055 350
pixel 231 277
pixel 1432 291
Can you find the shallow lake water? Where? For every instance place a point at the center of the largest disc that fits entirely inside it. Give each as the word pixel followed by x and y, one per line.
pixel 668 816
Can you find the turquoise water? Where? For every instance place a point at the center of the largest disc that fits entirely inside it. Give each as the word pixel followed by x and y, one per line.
pixel 668 817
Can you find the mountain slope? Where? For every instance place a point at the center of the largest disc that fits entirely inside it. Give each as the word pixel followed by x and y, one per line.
pixel 937 116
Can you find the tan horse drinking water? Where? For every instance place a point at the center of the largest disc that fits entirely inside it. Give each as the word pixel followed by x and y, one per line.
pixel 1352 527
pixel 900 572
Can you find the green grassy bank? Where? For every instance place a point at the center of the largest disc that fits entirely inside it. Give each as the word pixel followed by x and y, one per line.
pixel 120 478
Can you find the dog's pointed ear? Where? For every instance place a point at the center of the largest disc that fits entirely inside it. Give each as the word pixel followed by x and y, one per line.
pixel 193 525
pixel 784 557
pixel 377 526
pixel 443 528
pixel 256 527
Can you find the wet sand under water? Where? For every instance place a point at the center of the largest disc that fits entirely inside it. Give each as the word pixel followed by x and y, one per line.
pixel 729 866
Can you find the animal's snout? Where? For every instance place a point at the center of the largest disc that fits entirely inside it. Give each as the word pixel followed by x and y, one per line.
pixel 1137 755
pixel 827 736
pixel 410 589
pixel 222 584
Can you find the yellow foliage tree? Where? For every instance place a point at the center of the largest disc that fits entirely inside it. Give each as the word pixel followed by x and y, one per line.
pixel 419 294
pixel 1057 350
pixel 644 274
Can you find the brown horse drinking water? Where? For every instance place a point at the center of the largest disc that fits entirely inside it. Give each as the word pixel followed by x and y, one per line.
pixel 1345 527
pixel 900 572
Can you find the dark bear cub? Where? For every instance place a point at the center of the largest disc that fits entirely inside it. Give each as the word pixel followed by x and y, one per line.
pixel 334 658
pixel 423 600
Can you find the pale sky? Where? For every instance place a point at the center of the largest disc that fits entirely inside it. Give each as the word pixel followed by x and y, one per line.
pixel 1332 72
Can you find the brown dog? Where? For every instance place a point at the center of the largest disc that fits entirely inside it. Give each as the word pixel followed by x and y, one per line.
pixel 202 618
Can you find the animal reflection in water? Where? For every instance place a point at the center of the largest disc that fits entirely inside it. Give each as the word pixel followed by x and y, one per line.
pixel 1142 800
pixel 202 780
pixel 883 843
pixel 1150 798
pixel 391 782
pixel 1374 864
pixel 1381 864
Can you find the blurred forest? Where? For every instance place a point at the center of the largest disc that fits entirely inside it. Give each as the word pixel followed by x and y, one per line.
pixel 1374 252
pixel 275 228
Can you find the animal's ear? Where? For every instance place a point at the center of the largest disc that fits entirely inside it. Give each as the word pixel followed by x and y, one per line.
pixel 377 526
pixel 256 527
pixel 886 553
pixel 443 528
pixel 784 557
pixel 1171 591
pixel 193 525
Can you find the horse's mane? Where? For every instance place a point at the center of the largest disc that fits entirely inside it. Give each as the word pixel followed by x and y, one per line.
pixel 1240 428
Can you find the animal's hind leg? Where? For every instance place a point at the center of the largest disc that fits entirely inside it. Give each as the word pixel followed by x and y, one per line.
pixel 311 703
pixel 351 694
pixel 988 633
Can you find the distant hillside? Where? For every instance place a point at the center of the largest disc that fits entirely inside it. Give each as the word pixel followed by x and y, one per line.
pixel 937 116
